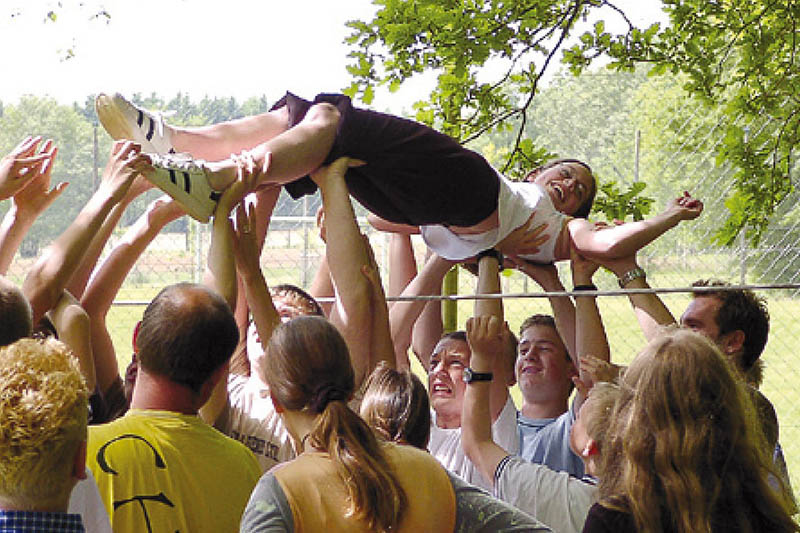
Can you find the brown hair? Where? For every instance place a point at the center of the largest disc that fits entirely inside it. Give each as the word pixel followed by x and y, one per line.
pixel 16 317
pixel 187 332
pixel 684 452
pixel 396 406
pixel 740 310
pixel 307 367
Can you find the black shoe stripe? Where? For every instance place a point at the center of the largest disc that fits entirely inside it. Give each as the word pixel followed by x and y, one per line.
pixel 140 118
pixel 187 183
pixel 151 130
pixel 172 176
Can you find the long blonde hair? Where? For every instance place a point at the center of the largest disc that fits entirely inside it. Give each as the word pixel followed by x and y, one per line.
pixel 684 452
pixel 307 367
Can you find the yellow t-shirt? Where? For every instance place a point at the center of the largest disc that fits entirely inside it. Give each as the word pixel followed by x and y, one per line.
pixel 164 471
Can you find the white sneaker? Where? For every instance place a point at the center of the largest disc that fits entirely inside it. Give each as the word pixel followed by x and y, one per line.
pixel 125 120
pixel 184 179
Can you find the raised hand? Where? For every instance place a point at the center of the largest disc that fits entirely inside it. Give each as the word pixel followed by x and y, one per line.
pixel 24 164
pixel 36 195
pixel 125 163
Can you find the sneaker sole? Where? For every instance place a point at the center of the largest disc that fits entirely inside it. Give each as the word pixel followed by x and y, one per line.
pixel 179 184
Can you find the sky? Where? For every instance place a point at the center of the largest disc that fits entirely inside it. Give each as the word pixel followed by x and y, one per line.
pixel 239 48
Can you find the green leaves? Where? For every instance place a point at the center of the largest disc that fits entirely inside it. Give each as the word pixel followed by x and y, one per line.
pixel 618 205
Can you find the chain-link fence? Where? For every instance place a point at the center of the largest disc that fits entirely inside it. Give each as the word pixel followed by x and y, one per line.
pixel 614 123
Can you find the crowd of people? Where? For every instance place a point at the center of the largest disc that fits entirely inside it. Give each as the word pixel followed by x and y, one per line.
pixel 253 408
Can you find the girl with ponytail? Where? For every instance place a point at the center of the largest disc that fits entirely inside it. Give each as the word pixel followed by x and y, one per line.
pixel 343 478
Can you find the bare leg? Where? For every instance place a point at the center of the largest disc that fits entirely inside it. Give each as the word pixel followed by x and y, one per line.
pixel 218 141
pixel 290 155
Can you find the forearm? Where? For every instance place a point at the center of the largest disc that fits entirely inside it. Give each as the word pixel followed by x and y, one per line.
pixel 322 285
pixel 476 424
pixel 489 283
pixel 619 241
pixel 13 228
pixel 258 298
pixel 100 294
pixel 80 278
pixel 403 315
pixel 55 267
pixel 220 274
pixel 651 313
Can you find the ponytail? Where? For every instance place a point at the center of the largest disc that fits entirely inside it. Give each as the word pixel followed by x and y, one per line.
pixel 307 367
pixel 373 489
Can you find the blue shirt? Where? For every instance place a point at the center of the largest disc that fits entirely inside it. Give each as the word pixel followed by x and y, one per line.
pixel 545 441
pixel 39 521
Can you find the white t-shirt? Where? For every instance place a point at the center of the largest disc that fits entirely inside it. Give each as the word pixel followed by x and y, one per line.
pixel 445 445
pixel 556 498
pixel 516 202
pixel 85 500
pixel 251 419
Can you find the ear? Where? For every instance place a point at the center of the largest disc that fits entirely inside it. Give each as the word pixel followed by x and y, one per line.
pixel 79 462
pixel 136 336
pixel 733 342
pixel 590 449
pixel 276 404
pixel 532 174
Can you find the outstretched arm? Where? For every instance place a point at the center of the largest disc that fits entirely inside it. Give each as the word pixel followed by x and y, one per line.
pixel 105 285
pixel 590 335
pixel 77 285
pixel 55 267
pixel 404 314
pixel 220 275
pixel 27 204
pixel 600 243
pixel 563 308
pixel 346 255
pixel 650 310
pixel 485 337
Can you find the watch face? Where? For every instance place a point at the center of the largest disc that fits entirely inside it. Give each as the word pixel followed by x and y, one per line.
pixel 469 376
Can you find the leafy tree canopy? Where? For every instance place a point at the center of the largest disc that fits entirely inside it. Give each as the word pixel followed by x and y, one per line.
pixel 490 55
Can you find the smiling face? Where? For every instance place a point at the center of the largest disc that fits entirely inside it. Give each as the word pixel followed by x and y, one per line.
pixel 543 371
pixel 445 380
pixel 569 185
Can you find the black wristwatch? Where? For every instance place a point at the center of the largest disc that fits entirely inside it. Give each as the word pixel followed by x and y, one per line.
pixel 469 376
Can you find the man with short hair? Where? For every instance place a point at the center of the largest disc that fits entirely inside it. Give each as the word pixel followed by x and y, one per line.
pixel 161 464
pixel 44 408
pixel 736 320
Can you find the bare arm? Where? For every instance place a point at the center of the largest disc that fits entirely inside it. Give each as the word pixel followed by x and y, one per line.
pixel 650 310
pixel 346 255
pixel 100 294
pixel 72 326
pixel 81 276
pixel 590 335
pixel 563 308
pixel 381 346
pixel 485 336
pixel 322 284
pixel 55 267
pixel 26 206
pixel 220 275
pixel 403 315
pixel 601 243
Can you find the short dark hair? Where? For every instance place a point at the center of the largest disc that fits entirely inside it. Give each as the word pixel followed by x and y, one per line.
pixel 743 310
pixel 459 335
pixel 16 316
pixel 187 332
